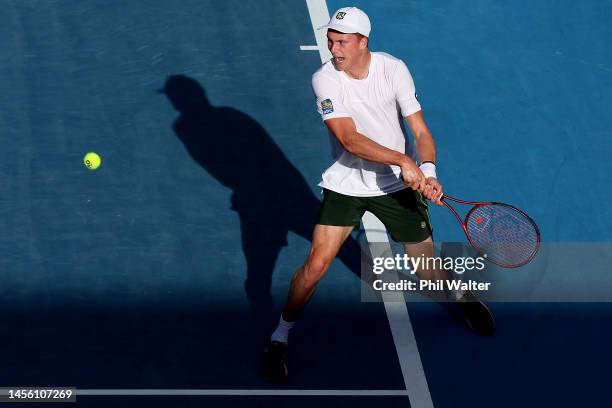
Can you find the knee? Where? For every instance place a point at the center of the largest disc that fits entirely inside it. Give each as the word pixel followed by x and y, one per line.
pixel 314 269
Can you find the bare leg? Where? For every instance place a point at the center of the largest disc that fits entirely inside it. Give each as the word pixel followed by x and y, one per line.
pixel 478 316
pixel 326 242
pixel 425 248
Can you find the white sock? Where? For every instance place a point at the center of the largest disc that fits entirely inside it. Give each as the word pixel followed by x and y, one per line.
pixel 459 294
pixel 282 331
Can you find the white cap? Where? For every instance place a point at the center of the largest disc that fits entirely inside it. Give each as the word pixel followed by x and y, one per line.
pixel 349 20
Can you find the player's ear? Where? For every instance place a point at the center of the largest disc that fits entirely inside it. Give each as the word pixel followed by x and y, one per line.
pixel 363 42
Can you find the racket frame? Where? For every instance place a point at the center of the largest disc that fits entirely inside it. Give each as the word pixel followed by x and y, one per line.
pixel 475 206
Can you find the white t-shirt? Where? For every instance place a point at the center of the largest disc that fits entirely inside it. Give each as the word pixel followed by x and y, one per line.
pixel 376 104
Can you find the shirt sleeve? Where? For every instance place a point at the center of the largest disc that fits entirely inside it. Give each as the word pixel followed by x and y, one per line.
pixel 405 93
pixel 329 97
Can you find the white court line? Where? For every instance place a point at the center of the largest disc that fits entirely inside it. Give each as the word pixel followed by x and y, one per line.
pixel 399 321
pixel 319 16
pixel 395 305
pixel 246 392
pixel 309 47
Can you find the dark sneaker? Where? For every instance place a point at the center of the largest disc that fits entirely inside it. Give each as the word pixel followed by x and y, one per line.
pixel 477 315
pixel 274 362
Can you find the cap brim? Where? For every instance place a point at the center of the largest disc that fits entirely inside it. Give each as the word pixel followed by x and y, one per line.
pixel 341 29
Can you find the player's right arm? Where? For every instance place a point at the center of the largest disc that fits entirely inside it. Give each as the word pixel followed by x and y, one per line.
pixel 344 129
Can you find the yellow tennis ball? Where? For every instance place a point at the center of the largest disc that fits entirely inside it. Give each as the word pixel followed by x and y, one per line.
pixel 92 160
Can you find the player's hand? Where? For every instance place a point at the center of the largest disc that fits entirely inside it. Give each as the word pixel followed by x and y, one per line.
pixel 433 190
pixel 413 176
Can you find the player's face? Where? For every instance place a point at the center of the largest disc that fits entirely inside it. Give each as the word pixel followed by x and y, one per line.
pixel 345 48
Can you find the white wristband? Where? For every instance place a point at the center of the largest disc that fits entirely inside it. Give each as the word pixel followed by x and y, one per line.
pixel 428 169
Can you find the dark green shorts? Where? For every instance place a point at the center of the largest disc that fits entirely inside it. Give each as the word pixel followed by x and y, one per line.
pixel 404 213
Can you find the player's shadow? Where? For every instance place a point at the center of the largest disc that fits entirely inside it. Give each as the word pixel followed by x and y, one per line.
pixel 269 194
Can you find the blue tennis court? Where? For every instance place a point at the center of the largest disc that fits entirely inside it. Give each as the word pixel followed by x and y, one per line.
pixel 156 279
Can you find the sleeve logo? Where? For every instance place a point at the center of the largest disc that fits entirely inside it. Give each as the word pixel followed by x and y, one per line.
pixel 327 107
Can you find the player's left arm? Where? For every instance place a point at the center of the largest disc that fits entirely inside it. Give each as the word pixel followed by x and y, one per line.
pixel 426 150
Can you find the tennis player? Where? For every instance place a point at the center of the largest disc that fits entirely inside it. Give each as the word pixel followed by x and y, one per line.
pixel 362 97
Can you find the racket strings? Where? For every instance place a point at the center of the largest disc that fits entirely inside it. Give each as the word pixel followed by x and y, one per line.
pixel 506 235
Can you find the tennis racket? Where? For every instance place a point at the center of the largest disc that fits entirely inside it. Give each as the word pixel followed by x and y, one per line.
pixel 501 233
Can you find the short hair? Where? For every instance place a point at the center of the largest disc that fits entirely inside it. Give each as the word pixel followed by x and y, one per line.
pixel 359 35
